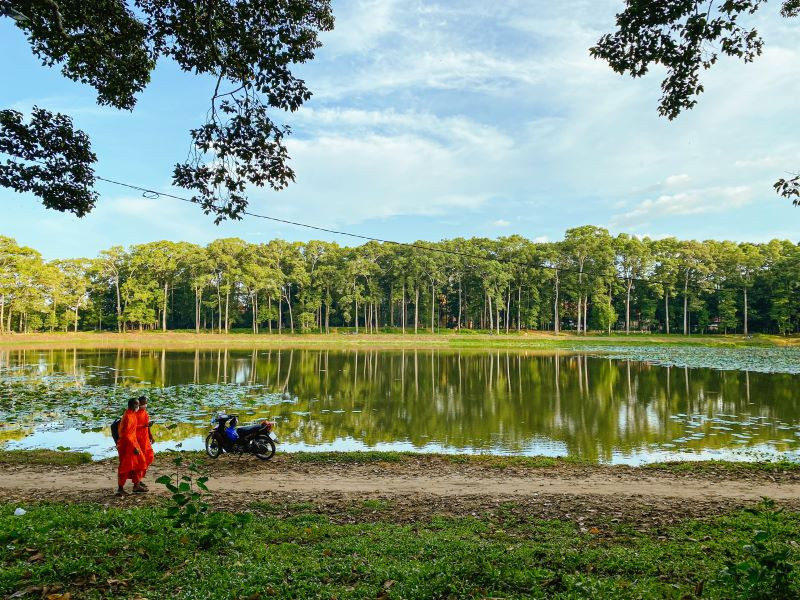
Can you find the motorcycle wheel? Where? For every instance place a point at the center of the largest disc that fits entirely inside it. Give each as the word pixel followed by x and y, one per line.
pixel 267 446
pixel 213 449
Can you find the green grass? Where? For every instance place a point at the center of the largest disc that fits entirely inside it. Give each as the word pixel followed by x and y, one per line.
pixel 344 337
pixel 520 462
pixel 94 552
pixel 367 456
pixel 709 466
pixel 56 458
pixel 44 457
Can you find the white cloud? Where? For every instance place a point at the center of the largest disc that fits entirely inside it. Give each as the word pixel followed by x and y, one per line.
pixel 675 180
pixel 695 202
pixel 501 223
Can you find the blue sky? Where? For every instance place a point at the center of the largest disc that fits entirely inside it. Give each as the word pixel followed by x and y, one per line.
pixel 435 120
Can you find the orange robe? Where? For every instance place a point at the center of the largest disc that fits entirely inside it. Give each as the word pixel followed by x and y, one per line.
pixel 130 464
pixel 143 436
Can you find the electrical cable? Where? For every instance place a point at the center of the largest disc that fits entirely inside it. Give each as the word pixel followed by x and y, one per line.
pixel 153 194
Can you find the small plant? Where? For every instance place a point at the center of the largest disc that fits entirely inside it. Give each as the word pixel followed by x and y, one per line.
pixel 188 493
pixel 766 569
pixel 190 509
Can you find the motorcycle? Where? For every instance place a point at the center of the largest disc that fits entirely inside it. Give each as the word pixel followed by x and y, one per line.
pixel 225 436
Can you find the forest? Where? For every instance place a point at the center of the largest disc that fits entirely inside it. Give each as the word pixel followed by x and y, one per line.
pixel 589 281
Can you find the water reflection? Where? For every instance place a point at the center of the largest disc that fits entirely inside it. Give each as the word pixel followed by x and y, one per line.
pixel 500 401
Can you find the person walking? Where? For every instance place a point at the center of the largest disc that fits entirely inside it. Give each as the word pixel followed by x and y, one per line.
pixel 131 458
pixel 145 437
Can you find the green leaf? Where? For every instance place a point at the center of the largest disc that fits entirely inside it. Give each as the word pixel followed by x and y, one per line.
pixel 164 480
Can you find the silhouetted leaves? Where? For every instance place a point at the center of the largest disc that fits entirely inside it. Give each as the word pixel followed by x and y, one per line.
pixel 248 45
pixel 54 160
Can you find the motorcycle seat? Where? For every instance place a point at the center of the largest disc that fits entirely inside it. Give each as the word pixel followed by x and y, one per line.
pixel 249 429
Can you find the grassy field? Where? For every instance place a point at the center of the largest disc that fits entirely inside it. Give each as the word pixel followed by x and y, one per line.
pixel 89 551
pixel 346 338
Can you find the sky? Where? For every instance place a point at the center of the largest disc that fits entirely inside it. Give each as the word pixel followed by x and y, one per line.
pixel 432 120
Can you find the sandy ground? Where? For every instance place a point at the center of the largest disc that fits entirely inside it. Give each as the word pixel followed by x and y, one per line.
pixel 425 486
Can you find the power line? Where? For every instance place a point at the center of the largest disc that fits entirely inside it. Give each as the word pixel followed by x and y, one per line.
pixel 153 194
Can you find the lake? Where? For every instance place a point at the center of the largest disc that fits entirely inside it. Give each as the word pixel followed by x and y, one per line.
pixel 613 405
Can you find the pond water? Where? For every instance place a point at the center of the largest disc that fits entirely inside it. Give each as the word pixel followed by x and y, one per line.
pixel 600 407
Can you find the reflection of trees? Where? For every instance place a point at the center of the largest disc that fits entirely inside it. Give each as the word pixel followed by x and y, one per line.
pixel 494 399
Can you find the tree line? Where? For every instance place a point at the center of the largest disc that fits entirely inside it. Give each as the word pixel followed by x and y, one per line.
pixel 589 281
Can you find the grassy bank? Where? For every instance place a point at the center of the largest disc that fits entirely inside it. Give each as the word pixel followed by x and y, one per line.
pixel 92 552
pixel 345 338
pixel 44 457
pixel 719 467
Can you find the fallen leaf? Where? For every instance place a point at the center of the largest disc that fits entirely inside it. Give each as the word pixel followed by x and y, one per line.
pixel 388 584
pixel 24 592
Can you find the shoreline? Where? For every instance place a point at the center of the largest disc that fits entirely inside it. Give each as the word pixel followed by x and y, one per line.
pixel 531 341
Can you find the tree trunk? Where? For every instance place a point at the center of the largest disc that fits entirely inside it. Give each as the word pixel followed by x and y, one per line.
pixel 519 310
pixel 76 318
pixel 628 308
pixel 164 309
pixel 253 301
pixel 355 298
pixel 327 310
pixel 686 305
pixel 219 308
pixel 489 310
pixel 556 325
pixel 119 305
pixel 198 301
pixel 433 304
pixel 416 309
pixel 2 310
pixel 458 325
pixel 745 311
pixel 403 311
pixel 666 310
pixel 227 314
pixel 289 304
pixel 280 311
pixel 508 308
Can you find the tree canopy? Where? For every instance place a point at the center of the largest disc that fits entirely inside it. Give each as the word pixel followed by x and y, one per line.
pixel 687 37
pixel 588 281
pixel 248 46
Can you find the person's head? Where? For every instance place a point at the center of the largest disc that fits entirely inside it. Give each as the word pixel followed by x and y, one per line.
pixel 133 404
pixel 142 401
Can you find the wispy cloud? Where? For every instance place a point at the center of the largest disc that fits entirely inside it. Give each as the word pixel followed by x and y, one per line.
pixel 695 202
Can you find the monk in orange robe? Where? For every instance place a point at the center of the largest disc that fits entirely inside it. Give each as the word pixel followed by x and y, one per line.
pixel 131 457
pixel 144 436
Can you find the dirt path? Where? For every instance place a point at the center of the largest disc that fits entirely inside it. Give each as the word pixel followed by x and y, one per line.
pixel 386 481
pixel 425 486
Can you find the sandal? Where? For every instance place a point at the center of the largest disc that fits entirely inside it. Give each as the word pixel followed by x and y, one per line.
pixel 138 489
pixel 144 486
pixel 121 493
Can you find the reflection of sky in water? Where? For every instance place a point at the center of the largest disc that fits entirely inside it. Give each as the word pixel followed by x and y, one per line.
pixel 102 446
pixel 610 410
